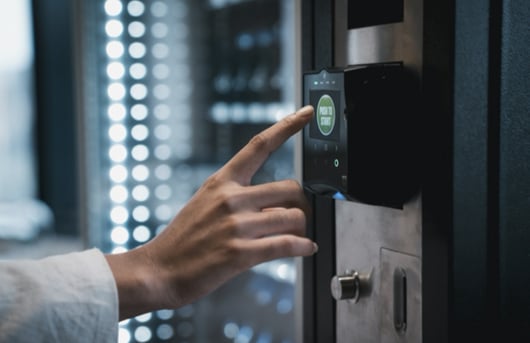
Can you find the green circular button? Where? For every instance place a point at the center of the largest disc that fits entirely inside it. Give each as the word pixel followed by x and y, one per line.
pixel 325 115
pixel 336 163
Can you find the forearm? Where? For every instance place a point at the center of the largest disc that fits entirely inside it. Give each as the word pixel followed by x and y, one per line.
pixel 136 283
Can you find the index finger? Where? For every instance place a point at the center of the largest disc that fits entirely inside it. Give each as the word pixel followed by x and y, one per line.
pixel 251 157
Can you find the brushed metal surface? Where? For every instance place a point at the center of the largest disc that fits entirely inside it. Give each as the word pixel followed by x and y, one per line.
pixel 382 43
pixel 374 239
pixel 361 232
pixel 389 261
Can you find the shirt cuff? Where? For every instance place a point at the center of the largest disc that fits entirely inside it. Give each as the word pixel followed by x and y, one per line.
pixel 64 298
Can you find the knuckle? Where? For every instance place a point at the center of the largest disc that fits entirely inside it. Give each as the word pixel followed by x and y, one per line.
pixel 293 185
pixel 287 246
pixel 296 193
pixel 292 219
pixel 299 215
pixel 281 219
pixel 235 253
pixel 222 200
pixel 228 200
pixel 234 226
pixel 212 181
pixel 298 221
pixel 259 141
pixel 228 224
pixel 232 250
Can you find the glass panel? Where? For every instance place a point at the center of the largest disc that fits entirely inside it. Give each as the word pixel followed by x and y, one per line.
pixel 172 90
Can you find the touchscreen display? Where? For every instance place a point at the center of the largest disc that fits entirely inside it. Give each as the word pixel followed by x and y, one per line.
pixel 326 123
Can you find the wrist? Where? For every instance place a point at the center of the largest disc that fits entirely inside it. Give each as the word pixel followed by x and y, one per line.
pixel 135 282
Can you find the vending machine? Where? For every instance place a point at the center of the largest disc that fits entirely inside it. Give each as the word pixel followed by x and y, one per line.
pixel 408 163
pixel 361 158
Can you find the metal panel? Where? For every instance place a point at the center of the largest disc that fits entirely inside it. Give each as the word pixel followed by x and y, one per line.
pixel 411 330
pixel 361 232
pixel 381 43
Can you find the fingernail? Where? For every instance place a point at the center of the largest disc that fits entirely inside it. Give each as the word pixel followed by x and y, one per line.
pixel 315 248
pixel 305 111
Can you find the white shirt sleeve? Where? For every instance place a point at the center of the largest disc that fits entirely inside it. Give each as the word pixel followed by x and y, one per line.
pixel 64 298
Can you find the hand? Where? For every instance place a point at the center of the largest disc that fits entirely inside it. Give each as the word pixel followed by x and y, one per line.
pixel 227 227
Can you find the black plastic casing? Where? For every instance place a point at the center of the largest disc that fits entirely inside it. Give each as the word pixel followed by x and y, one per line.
pixel 371 152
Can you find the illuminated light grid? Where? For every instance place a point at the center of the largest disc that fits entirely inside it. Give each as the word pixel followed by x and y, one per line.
pixel 161 71
pixel 119 194
pixel 117 132
pixel 114 28
pixel 183 151
pixel 138 71
pixel 136 29
pixel 137 50
pixel 163 192
pixel 165 332
pixel 140 173
pixel 140 189
pixel 163 213
pixel 115 70
pixel 140 152
pixel 135 8
pixel 124 335
pixel 138 91
pixel 159 30
pixel 118 153
pixel 161 91
pixel 118 249
pixel 118 173
pixel 162 132
pixel 163 172
pixel 141 234
pixel 116 112
pixel 162 111
pixel 159 9
pixel 115 49
pixel 163 152
pixel 165 314
pixel 139 112
pixel 119 235
pixel 160 228
pixel 116 91
pixel 141 214
pixel 160 50
pixel 119 215
pixel 113 7
pixel 140 132
pixel 144 317
pixel 142 334
pixel 140 193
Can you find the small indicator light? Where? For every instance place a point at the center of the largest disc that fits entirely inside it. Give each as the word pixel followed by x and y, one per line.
pixel 339 196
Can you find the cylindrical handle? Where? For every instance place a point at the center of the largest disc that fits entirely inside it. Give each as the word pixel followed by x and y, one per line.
pixel 346 286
